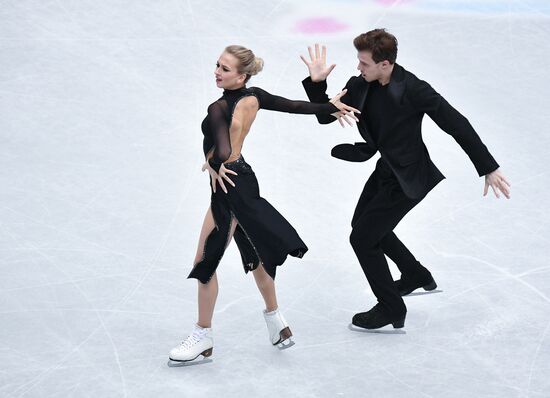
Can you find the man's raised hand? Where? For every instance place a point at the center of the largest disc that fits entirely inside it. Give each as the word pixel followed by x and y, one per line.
pixel 317 66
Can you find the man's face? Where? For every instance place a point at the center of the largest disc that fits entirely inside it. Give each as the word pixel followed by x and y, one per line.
pixel 369 69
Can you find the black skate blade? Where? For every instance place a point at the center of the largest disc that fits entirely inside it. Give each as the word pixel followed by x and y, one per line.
pixel 180 364
pixel 388 329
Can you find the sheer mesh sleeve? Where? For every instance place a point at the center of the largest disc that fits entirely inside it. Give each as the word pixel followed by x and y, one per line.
pixel 316 92
pixel 220 133
pixel 276 103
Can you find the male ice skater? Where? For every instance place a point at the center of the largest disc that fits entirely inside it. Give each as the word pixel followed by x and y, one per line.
pixel 393 102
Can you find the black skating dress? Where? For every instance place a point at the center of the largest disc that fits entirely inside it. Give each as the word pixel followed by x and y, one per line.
pixel 262 234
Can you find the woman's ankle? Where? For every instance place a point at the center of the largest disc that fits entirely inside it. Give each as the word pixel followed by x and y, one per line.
pixel 269 309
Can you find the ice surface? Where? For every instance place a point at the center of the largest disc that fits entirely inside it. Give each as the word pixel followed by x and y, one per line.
pixel 102 200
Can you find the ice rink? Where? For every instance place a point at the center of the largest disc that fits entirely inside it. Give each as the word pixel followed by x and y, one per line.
pixel 102 199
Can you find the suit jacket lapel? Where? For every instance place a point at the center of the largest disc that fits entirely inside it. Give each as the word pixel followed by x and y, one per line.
pixel 362 95
pixel 396 87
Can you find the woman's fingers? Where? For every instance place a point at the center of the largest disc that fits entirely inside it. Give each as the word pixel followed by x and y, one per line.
pixel 305 61
pixel 226 177
pixel 342 117
pixel 351 109
pixel 222 185
pixel 347 120
pixel 340 94
pixel 223 175
pixel 350 114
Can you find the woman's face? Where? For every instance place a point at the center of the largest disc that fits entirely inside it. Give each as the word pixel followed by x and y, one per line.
pixel 226 73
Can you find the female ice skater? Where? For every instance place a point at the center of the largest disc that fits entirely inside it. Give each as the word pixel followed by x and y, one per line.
pixel 262 234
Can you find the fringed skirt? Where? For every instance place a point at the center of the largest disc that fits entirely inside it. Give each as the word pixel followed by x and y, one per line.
pixel 262 234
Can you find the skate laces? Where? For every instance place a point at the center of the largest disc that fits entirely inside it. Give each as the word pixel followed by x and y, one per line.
pixel 196 336
pixel 192 339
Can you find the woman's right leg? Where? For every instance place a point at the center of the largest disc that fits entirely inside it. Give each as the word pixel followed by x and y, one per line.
pixel 200 341
pixel 208 292
pixel 207 295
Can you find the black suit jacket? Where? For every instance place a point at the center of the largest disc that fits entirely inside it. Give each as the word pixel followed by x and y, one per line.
pixel 400 139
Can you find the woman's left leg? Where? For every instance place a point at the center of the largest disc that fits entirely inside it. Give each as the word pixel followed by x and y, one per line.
pixel 277 326
pixel 266 286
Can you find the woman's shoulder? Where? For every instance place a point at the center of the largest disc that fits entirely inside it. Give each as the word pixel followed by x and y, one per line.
pixel 260 94
pixel 252 96
pixel 257 90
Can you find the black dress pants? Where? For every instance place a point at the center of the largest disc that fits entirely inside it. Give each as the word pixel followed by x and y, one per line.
pixel 380 208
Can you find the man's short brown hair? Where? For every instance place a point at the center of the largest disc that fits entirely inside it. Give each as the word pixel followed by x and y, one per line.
pixel 381 44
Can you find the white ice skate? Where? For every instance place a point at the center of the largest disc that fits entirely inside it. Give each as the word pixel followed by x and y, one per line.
pixel 199 342
pixel 278 329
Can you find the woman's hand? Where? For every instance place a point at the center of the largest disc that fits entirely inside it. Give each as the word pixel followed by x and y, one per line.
pixel 345 110
pixel 219 177
pixel 223 175
pixel 213 175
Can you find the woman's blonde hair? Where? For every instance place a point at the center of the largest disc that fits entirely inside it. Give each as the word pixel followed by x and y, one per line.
pixel 248 62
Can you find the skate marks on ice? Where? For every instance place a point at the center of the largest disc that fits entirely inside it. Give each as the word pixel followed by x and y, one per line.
pixel 385 330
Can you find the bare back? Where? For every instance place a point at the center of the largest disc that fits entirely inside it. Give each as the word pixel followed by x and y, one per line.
pixel 243 116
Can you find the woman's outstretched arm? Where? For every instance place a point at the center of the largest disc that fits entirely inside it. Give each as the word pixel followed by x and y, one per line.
pixel 277 103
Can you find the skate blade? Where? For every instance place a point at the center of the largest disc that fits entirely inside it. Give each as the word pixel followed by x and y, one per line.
pixel 388 329
pixel 189 362
pixel 285 340
pixel 182 364
pixel 429 288
pixel 285 344
pixel 423 293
